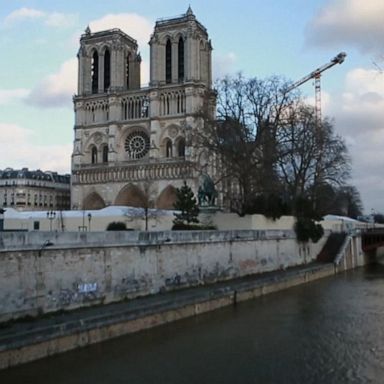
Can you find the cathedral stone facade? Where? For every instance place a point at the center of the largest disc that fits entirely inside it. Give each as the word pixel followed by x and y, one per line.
pixel 132 145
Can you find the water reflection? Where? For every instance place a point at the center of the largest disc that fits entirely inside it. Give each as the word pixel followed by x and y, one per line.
pixel 327 332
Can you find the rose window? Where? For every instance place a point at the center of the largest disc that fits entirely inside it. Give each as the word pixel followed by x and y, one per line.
pixel 137 145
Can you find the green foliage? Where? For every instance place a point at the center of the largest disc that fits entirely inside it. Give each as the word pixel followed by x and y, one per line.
pixel 306 229
pixel 379 218
pixel 116 226
pixel 304 207
pixel 192 227
pixel 271 206
pixel 187 205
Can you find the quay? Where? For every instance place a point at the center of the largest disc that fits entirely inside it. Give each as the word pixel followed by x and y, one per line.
pixel 230 267
pixel 26 340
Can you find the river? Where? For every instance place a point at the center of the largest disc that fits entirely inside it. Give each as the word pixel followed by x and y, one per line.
pixel 329 331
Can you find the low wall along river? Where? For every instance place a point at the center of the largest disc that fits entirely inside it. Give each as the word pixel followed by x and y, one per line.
pixel 114 266
pixel 51 274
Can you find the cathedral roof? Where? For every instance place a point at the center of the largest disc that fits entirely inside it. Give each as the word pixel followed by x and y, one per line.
pixel 175 20
pixel 88 35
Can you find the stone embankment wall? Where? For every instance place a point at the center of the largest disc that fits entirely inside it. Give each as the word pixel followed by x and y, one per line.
pixel 350 255
pixel 44 272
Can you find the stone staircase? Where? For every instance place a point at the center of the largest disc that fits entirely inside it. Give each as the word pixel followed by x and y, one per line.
pixel 332 247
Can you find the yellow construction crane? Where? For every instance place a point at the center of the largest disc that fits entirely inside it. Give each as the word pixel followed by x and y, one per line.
pixel 316 74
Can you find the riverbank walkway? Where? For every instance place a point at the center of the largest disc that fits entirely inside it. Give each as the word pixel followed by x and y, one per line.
pixel 18 335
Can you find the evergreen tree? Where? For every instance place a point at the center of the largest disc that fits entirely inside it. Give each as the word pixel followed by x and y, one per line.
pixel 187 205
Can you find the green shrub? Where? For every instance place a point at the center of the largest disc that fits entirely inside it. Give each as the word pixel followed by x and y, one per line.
pixel 187 205
pixel 306 229
pixel 116 226
pixel 192 227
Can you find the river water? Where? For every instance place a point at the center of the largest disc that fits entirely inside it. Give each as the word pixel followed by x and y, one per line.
pixel 329 331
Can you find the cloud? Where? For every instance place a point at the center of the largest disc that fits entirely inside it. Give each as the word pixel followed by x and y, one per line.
pixel 362 102
pixel 348 22
pixel 136 26
pixel 53 19
pixel 60 20
pixel 359 117
pixel 22 14
pixel 52 157
pixel 325 101
pixel 224 64
pixel 11 96
pixel 57 89
pixel 144 75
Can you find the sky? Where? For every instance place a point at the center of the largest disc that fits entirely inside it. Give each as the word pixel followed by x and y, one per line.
pixel 39 40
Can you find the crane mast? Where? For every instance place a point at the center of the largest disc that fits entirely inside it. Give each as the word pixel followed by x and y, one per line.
pixel 316 75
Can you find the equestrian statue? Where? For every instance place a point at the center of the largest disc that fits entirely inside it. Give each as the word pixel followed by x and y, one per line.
pixel 206 193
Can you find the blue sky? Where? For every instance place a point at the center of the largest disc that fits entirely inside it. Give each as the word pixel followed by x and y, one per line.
pixel 39 42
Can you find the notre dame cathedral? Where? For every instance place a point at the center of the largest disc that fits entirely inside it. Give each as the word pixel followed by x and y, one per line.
pixel 132 144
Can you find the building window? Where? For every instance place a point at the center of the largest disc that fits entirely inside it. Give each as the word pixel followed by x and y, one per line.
pixel 137 145
pixel 168 62
pixel 168 148
pixel 181 59
pixel 105 154
pixel 107 69
pixel 181 148
pixel 94 155
pixel 36 225
pixel 127 70
pixel 95 72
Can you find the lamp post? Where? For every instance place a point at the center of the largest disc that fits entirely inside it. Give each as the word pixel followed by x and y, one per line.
pixel 2 211
pixel 89 221
pixel 373 213
pixel 51 216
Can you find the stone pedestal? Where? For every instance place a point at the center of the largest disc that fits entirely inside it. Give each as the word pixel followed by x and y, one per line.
pixel 206 214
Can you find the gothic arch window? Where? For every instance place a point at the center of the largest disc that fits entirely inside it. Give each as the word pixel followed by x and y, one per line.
pixel 95 72
pixel 107 69
pixel 181 59
pixel 181 148
pixel 127 69
pixel 168 148
pixel 168 62
pixel 105 154
pixel 94 155
pixel 203 61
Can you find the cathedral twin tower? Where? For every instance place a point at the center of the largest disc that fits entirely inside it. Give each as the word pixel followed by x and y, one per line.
pixel 131 144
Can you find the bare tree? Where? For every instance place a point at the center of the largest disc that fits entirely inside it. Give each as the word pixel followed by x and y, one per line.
pixel 242 136
pixel 269 149
pixel 310 155
pixel 147 202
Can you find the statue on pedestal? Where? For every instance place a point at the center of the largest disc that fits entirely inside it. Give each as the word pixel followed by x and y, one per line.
pixel 206 193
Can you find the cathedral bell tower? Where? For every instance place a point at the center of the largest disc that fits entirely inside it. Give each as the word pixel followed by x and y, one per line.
pixel 129 140
pixel 180 52
pixel 108 61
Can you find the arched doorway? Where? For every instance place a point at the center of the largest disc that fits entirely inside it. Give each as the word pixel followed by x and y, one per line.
pixel 131 196
pixel 93 201
pixel 167 198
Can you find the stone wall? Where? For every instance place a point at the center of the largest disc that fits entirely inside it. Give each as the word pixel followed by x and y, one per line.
pixel 45 272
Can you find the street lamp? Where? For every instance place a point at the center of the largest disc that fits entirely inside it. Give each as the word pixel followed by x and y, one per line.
pixel 2 211
pixel 373 213
pixel 51 216
pixel 89 221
